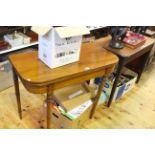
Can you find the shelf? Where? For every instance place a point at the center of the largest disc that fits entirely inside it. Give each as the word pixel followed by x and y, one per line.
pixel 92 28
pixel 18 47
pixel 9 29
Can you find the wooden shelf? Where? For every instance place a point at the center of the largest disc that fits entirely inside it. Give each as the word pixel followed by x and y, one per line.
pixel 18 47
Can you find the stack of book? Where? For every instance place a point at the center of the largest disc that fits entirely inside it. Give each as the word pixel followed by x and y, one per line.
pixel 134 40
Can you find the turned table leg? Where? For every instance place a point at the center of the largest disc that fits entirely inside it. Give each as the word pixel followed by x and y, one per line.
pixel 17 92
pixel 49 101
pixel 101 86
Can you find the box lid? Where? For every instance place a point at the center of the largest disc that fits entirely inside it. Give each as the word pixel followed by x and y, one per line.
pixel 69 98
pixel 68 31
pixel 41 30
pixel 63 32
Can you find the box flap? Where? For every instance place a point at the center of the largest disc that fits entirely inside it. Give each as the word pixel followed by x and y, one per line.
pixel 41 30
pixel 62 96
pixel 77 101
pixel 65 32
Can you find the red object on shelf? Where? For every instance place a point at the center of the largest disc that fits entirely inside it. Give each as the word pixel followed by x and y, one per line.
pixel 4 45
pixel 133 40
pixel 32 35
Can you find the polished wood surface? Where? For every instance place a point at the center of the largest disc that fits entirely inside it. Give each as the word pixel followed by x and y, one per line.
pixel 32 70
pixel 136 109
pixel 126 51
pixel 17 92
pixel 38 78
pixel 98 96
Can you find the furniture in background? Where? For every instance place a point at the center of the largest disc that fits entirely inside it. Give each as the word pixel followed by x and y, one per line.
pixel 38 78
pixel 96 32
pixel 11 29
pixel 5 66
pixel 127 56
pixel 151 33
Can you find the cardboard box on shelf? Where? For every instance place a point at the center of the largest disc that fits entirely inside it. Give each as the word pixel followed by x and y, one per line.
pixel 59 46
pixel 17 39
pixel 14 39
pixel 26 39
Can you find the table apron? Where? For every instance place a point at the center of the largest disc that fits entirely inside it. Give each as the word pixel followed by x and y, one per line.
pixel 144 51
pixel 37 89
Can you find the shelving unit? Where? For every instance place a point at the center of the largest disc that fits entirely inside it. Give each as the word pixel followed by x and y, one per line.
pixel 92 28
pixel 17 48
pixel 10 29
pixel 98 31
pixel 6 79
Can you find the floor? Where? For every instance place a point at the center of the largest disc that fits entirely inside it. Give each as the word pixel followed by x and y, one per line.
pixel 134 110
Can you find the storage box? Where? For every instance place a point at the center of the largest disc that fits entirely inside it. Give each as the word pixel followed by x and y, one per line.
pixel 72 96
pixel 102 98
pixel 118 92
pixel 130 84
pixel 124 87
pixel 14 39
pixel 64 122
pixel 74 106
pixel 60 45
pixel 26 39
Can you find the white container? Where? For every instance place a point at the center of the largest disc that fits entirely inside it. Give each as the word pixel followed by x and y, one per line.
pixel 130 84
pixel 26 39
pixel 61 45
pixel 14 40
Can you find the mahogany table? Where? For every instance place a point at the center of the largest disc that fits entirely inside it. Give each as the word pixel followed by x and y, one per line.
pixel 38 78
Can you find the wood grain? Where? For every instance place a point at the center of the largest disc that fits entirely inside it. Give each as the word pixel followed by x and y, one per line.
pixel 134 110
pixel 38 78
pixel 32 70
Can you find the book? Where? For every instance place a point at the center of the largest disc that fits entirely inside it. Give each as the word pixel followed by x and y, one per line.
pixel 133 40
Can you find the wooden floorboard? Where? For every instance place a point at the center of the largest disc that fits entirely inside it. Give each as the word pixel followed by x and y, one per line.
pixel 134 110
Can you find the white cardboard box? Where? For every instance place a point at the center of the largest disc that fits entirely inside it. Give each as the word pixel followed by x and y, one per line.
pixel 122 89
pixel 118 92
pixel 14 39
pixel 130 84
pixel 60 45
